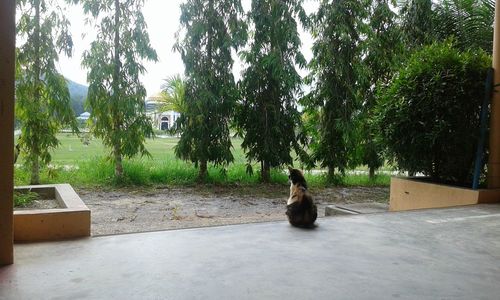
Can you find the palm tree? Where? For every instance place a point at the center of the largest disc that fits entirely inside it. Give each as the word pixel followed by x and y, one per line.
pixel 173 91
pixel 470 22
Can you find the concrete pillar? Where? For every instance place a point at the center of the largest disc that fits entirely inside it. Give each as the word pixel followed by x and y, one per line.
pixel 7 70
pixel 494 157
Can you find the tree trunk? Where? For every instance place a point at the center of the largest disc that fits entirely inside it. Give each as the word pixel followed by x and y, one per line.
pixel 331 174
pixel 202 174
pixel 118 162
pixel 116 92
pixel 372 172
pixel 35 156
pixel 35 172
pixel 203 171
pixel 265 172
pixel 209 36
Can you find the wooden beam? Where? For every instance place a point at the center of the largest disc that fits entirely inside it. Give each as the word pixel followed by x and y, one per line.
pixel 7 86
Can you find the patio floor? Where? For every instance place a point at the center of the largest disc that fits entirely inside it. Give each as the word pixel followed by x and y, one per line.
pixel 430 254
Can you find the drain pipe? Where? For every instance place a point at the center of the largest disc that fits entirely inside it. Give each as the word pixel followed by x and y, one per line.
pixel 484 123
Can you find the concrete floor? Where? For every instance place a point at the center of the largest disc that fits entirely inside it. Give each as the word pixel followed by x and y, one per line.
pixel 432 254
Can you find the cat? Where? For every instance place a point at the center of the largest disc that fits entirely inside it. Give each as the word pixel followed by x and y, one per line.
pixel 300 208
pixel 17 150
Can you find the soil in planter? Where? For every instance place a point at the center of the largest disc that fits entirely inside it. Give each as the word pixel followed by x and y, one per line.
pixel 40 204
pixel 31 200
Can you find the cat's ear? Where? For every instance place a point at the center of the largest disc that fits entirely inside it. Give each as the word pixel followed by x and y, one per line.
pixel 290 169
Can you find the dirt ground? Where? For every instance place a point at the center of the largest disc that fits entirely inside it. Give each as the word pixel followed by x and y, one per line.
pixel 129 210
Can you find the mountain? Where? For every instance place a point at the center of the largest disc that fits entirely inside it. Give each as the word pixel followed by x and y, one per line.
pixel 78 93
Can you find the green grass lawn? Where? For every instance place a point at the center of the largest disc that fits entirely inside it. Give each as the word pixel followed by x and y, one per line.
pixel 86 165
pixel 72 150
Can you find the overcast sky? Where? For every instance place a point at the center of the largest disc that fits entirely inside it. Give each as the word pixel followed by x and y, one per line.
pixel 162 17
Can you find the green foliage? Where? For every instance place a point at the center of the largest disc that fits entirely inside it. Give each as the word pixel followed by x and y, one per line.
pixel 82 166
pixel 429 116
pixel 24 199
pixel 267 115
pixel 365 180
pixel 98 172
pixel 336 76
pixel 382 49
pixel 348 180
pixel 173 92
pixel 418 22
pixel 43 101
pixel 116 95
pixel 469 22
pixel 212 30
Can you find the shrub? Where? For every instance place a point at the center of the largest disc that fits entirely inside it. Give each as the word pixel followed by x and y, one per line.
pixel 23 199
pixel 429 115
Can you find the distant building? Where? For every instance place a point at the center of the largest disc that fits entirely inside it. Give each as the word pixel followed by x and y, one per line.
pixel 83 118
pixel 162 120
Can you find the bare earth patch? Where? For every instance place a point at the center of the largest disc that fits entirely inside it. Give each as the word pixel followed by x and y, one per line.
pixel 129 210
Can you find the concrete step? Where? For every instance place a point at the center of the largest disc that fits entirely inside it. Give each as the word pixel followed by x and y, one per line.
pixel 355 209
pixel 334 210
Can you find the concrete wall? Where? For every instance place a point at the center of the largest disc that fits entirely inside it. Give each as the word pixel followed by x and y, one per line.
pixel 71 220
pixel 409 194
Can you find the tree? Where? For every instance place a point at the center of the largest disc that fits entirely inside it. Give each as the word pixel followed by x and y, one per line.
pixel 336 77
pixel 382 51
pixel 212 30
pixel 268 114
pixel 418 21
pixel 429 116
pixel 42 95
pixel 173 94
pixel 470 22
pixel 116 95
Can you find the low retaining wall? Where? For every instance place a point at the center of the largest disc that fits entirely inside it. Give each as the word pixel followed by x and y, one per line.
pixel 411 193
pixel 72 220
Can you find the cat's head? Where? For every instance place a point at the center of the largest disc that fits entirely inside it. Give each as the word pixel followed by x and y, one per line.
pixel 296 176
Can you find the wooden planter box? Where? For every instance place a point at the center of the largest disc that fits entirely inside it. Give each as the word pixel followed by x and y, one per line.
pixel 408 193
pixel 71 220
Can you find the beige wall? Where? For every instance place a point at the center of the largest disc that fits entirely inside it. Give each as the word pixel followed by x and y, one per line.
pixel 494 157
pixel 409 194
pixel 7 56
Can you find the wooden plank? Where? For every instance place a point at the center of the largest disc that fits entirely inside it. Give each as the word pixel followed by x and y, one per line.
pixel 7 77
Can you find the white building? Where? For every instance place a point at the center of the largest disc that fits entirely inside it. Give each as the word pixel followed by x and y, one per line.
pixel 83 116
pixel 162 120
